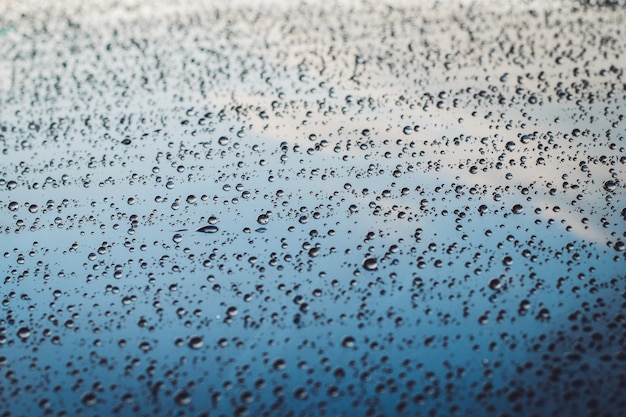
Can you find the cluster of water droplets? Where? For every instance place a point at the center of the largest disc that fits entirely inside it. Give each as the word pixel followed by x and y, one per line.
pixel 348 209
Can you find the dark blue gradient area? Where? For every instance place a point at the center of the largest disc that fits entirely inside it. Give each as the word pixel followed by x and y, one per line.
pixel 312 209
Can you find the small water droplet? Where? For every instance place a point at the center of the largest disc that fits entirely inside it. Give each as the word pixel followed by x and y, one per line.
pixel 348 342
pixel 88 399
pixel 495 284
pixel 610 186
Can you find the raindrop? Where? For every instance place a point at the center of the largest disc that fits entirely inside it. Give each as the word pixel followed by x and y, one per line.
pixel 348 342
pixel 23 333
pixel 280 364
pixel 370 264
pixel 182 397
pixel 208 229
pixel 88 399
pixel 495 284
pixel 196 342
pixel 610 186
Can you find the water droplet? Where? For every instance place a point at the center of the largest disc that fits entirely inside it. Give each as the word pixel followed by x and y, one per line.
pixel 182 397
pixel 348 342
pixel 145 346
pixel 196 342
pixel 279 364
pixel 301 393
pixel 88 399
pixel 495 284
pixel 610 186
pixel 23 333
pixel 208 229
pixel 370 264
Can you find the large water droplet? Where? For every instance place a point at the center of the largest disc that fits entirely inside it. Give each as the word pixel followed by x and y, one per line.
pixel 370 264
pixel 208 229
pixel 23 333
pixel 610 185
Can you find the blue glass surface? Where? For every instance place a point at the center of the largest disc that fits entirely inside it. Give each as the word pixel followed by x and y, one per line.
pixel 356 208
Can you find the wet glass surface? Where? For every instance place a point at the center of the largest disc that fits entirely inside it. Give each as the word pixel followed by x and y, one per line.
pixel 356 208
